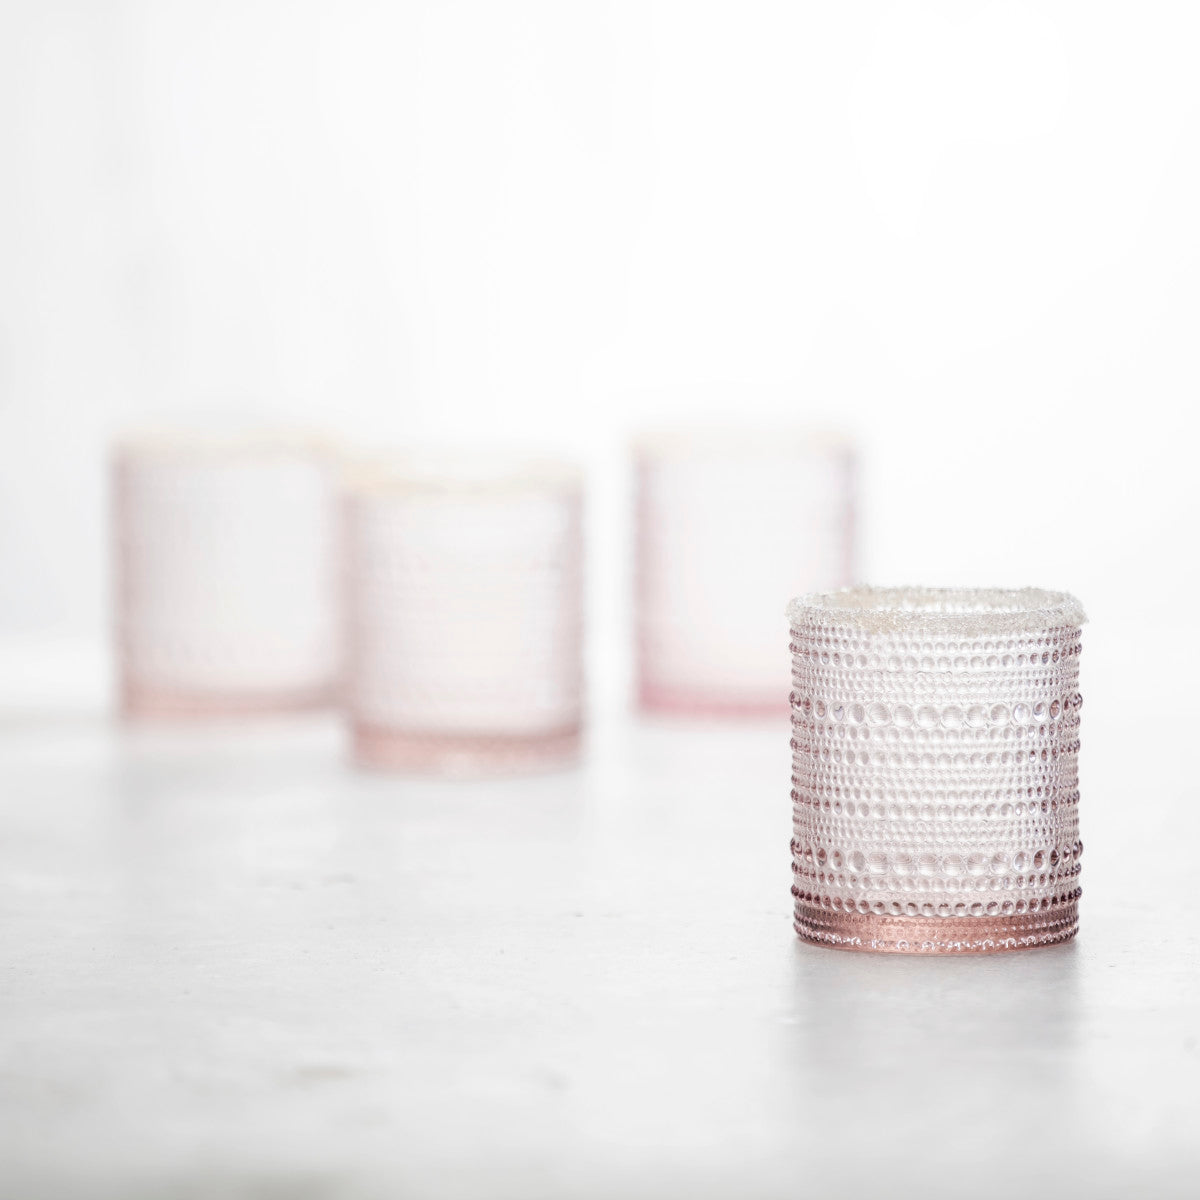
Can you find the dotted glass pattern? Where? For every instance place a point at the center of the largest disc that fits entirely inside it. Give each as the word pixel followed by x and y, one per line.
pixel 226 576
pixel 725 526
pixel 935 739
pixel 465 618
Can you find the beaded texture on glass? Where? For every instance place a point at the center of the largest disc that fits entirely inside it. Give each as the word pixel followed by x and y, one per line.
pixel 935 785
pixel 226 569
pixel 724 528
pixel 465 628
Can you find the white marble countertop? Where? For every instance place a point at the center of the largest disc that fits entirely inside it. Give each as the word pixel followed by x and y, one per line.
pixel 232 967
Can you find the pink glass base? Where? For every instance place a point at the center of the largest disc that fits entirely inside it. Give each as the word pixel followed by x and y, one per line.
pixel 466 755
pixel 140 702
pixel 684 703
pixel 936 935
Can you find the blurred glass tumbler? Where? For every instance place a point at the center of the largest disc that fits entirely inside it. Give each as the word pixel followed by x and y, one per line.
pixel 935 787
pixel 725 526
pixel 226 576
pixel 465 616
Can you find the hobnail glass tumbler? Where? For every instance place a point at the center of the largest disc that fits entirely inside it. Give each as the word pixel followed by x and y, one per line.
pixel 725 526
pixel 935 786
pixel 465 616
pixel 226 575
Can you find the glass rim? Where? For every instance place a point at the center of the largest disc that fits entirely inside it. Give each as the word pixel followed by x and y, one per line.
pixel 460 471
pixel 965 611
pixel 734 442
pixel 182 443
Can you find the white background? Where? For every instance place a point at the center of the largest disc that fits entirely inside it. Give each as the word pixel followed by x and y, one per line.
pixel 229 965
pixel 967 231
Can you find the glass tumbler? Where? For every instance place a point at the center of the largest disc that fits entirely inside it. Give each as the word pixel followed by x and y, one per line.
pixel 935 787
pixel 725 526
pixel 226 575
pixel 465 616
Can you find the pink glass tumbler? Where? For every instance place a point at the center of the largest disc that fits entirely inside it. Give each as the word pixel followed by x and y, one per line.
pixel 226 576
pixel 935 768
pixel 725 526
pixel 465 616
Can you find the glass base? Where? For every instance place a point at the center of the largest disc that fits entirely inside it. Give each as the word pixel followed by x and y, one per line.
pixel 679 702
pixel 937 935
pixel 149 702
pixel 466 755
